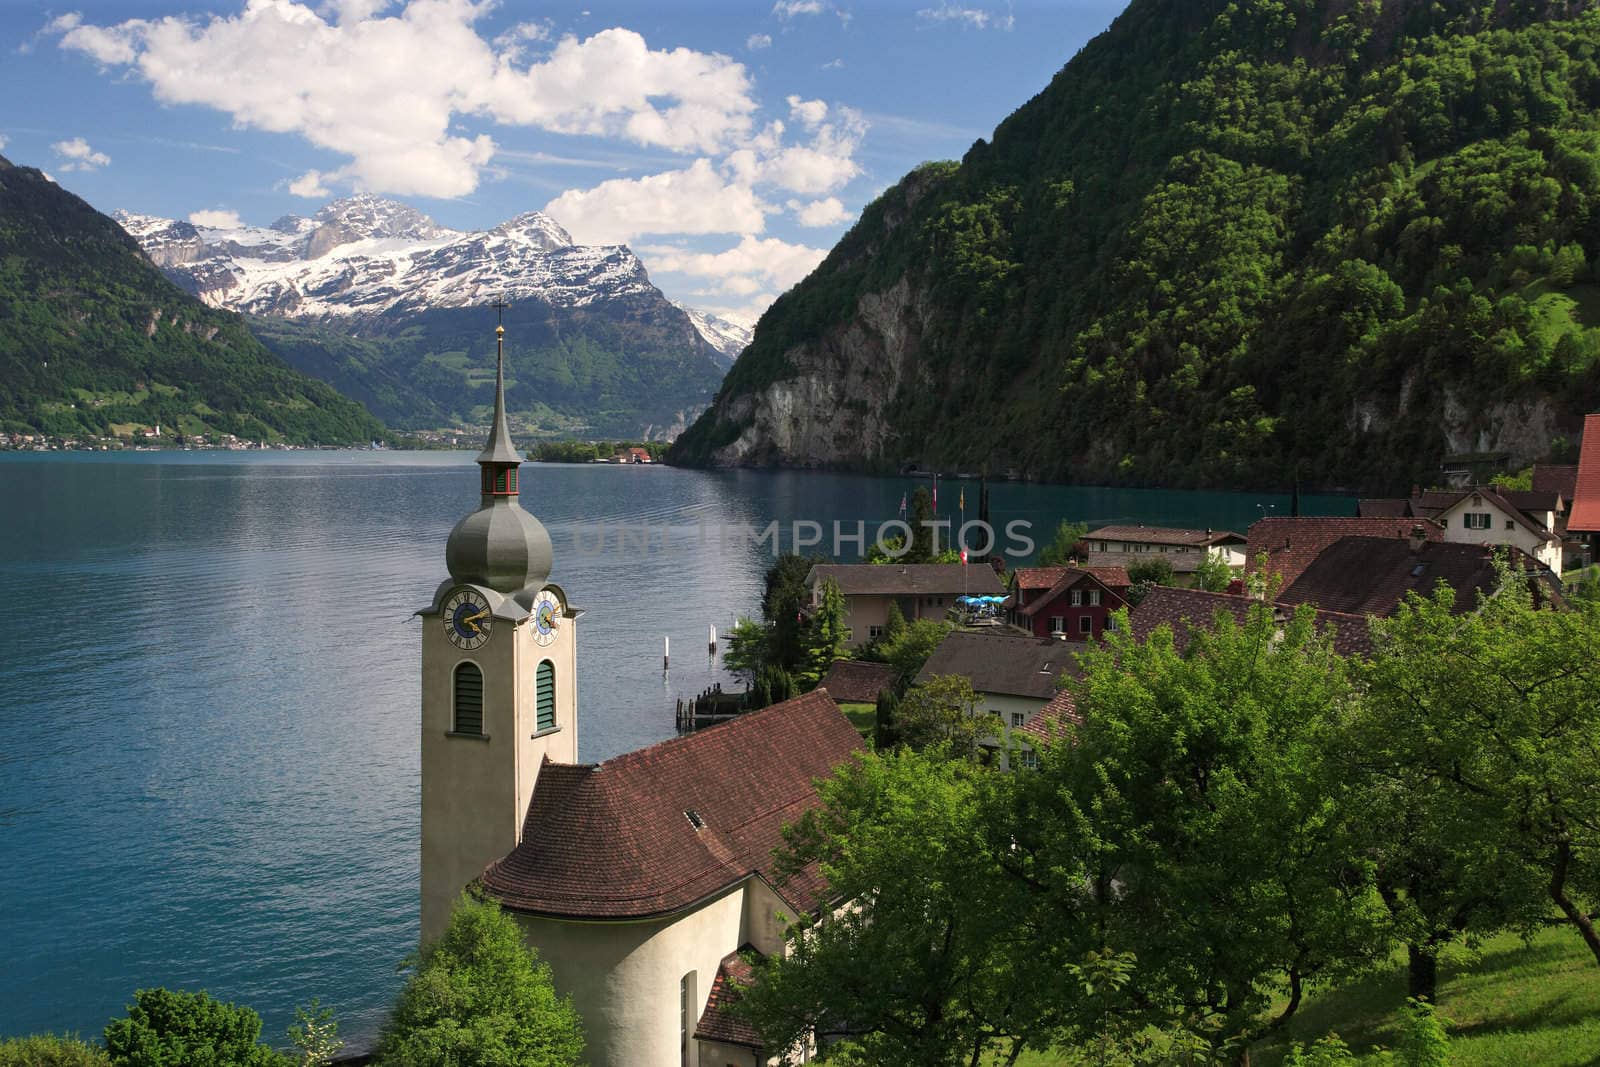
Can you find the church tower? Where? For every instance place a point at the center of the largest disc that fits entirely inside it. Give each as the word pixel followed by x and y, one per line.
pixel 499 678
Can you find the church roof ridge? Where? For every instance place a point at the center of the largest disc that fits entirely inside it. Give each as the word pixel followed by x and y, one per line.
pixel 616 840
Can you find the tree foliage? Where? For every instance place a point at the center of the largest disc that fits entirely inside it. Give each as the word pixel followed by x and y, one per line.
pixel 1229 240
pixel 1063 545
pixel 480 997
pixel 174 1028
pixel 48 1050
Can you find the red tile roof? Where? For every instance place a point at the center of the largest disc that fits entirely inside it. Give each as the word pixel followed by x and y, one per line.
pixel 1291 543
pixel 1161 535
pixel 617 840
pixel 1029 579
pixel 858 681
pixel 1055 719
pixel 1183 609
pixel 719 1022
pixel 1556 478
pixel 1073 576
pixel 1372 575
pixel 1585 514
pixel 909 579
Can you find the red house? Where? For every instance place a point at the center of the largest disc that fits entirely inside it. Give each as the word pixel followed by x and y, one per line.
pixel 1074 605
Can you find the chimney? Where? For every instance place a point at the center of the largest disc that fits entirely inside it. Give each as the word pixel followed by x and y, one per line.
pixel 1416 491
pixel 1419 537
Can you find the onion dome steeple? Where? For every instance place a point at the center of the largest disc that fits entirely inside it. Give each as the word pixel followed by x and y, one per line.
pixel 500 545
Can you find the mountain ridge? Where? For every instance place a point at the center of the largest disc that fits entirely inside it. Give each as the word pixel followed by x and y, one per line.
pixel 1227 242
pixel 371 295
pixel 95 340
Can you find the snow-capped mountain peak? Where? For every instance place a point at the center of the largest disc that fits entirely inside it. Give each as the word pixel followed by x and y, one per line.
pixel 727 337
pixel 537 228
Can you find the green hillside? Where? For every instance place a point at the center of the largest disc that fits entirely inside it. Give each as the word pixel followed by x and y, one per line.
pixel 94 339
pixel 1230 240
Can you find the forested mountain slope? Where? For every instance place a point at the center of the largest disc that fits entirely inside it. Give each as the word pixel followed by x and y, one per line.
pixel 94 339
pixel 1229 241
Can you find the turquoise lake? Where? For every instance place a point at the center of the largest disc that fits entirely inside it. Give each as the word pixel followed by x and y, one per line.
pixel 209 691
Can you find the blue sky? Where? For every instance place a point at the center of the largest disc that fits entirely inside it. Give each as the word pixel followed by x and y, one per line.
pixel 729 144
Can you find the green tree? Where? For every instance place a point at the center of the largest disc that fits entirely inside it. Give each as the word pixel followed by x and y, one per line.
pixel 1063 546
pixel 1151 572
pixel 825 634
pixel 785 600
pixel 1222 854
pixel 316 1034
pixel 943 713
pixel 884 734
pixel 1490 720
pixel 174 1028
pixel 911 649
pixel 48 1050
pixel 480 997
pixel 1212 574
pixel 937 962
pixel 747 649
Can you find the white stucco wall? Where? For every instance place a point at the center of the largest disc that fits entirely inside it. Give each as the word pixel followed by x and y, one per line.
pixel 1455 530
pixel 624 977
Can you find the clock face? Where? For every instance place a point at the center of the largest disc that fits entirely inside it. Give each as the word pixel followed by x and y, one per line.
pixel 466 619
pixel 546 614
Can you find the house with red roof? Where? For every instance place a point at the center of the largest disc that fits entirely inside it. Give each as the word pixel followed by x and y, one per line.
pixel 1126 545
pixel 1285 545
pixel 1076 606
pixel 1532 520
pixel 1584 517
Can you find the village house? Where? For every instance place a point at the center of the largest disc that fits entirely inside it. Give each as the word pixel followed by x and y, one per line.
pixel 1070 603
pixel 1286 545
pixel 1372 575
pixel 1527 519
pixel 856 681
pixel 1124 546
pixel 1014 677
pixel 1185 610
pixel 1583 520
pixel 922 590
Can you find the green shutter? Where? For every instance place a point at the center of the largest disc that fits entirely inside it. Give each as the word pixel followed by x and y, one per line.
pixel 469 699
pixel 546 703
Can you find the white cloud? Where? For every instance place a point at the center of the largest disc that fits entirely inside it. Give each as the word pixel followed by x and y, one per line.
pixel 977 18
pixel 385 88
pixel 310 185
pixel 757 41
pixel 809 112
pixel 4 140
pixel 76 154
pixel 788 9
pixel 828 212
pixel 217 219
pixel 832 64
pixel 827 163
pixel 696 200
pixel 754 265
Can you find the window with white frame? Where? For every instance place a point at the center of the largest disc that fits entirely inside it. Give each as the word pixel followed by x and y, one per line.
pixel 1018 718
pixel 1086 624
pixel 1094 598
pixel 1077 598
pixel 1030 758
pixel 1058 625
pixel 1476 520
pixel 874 632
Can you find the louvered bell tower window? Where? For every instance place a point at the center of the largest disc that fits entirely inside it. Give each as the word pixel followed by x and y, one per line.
pixel 546 700
pixel 469 699
pixel 500 481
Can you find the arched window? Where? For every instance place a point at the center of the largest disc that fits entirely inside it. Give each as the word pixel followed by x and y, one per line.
pixel 545 701
pixel 468 702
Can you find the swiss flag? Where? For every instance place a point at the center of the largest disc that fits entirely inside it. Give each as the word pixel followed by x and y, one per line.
pixel 963 555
